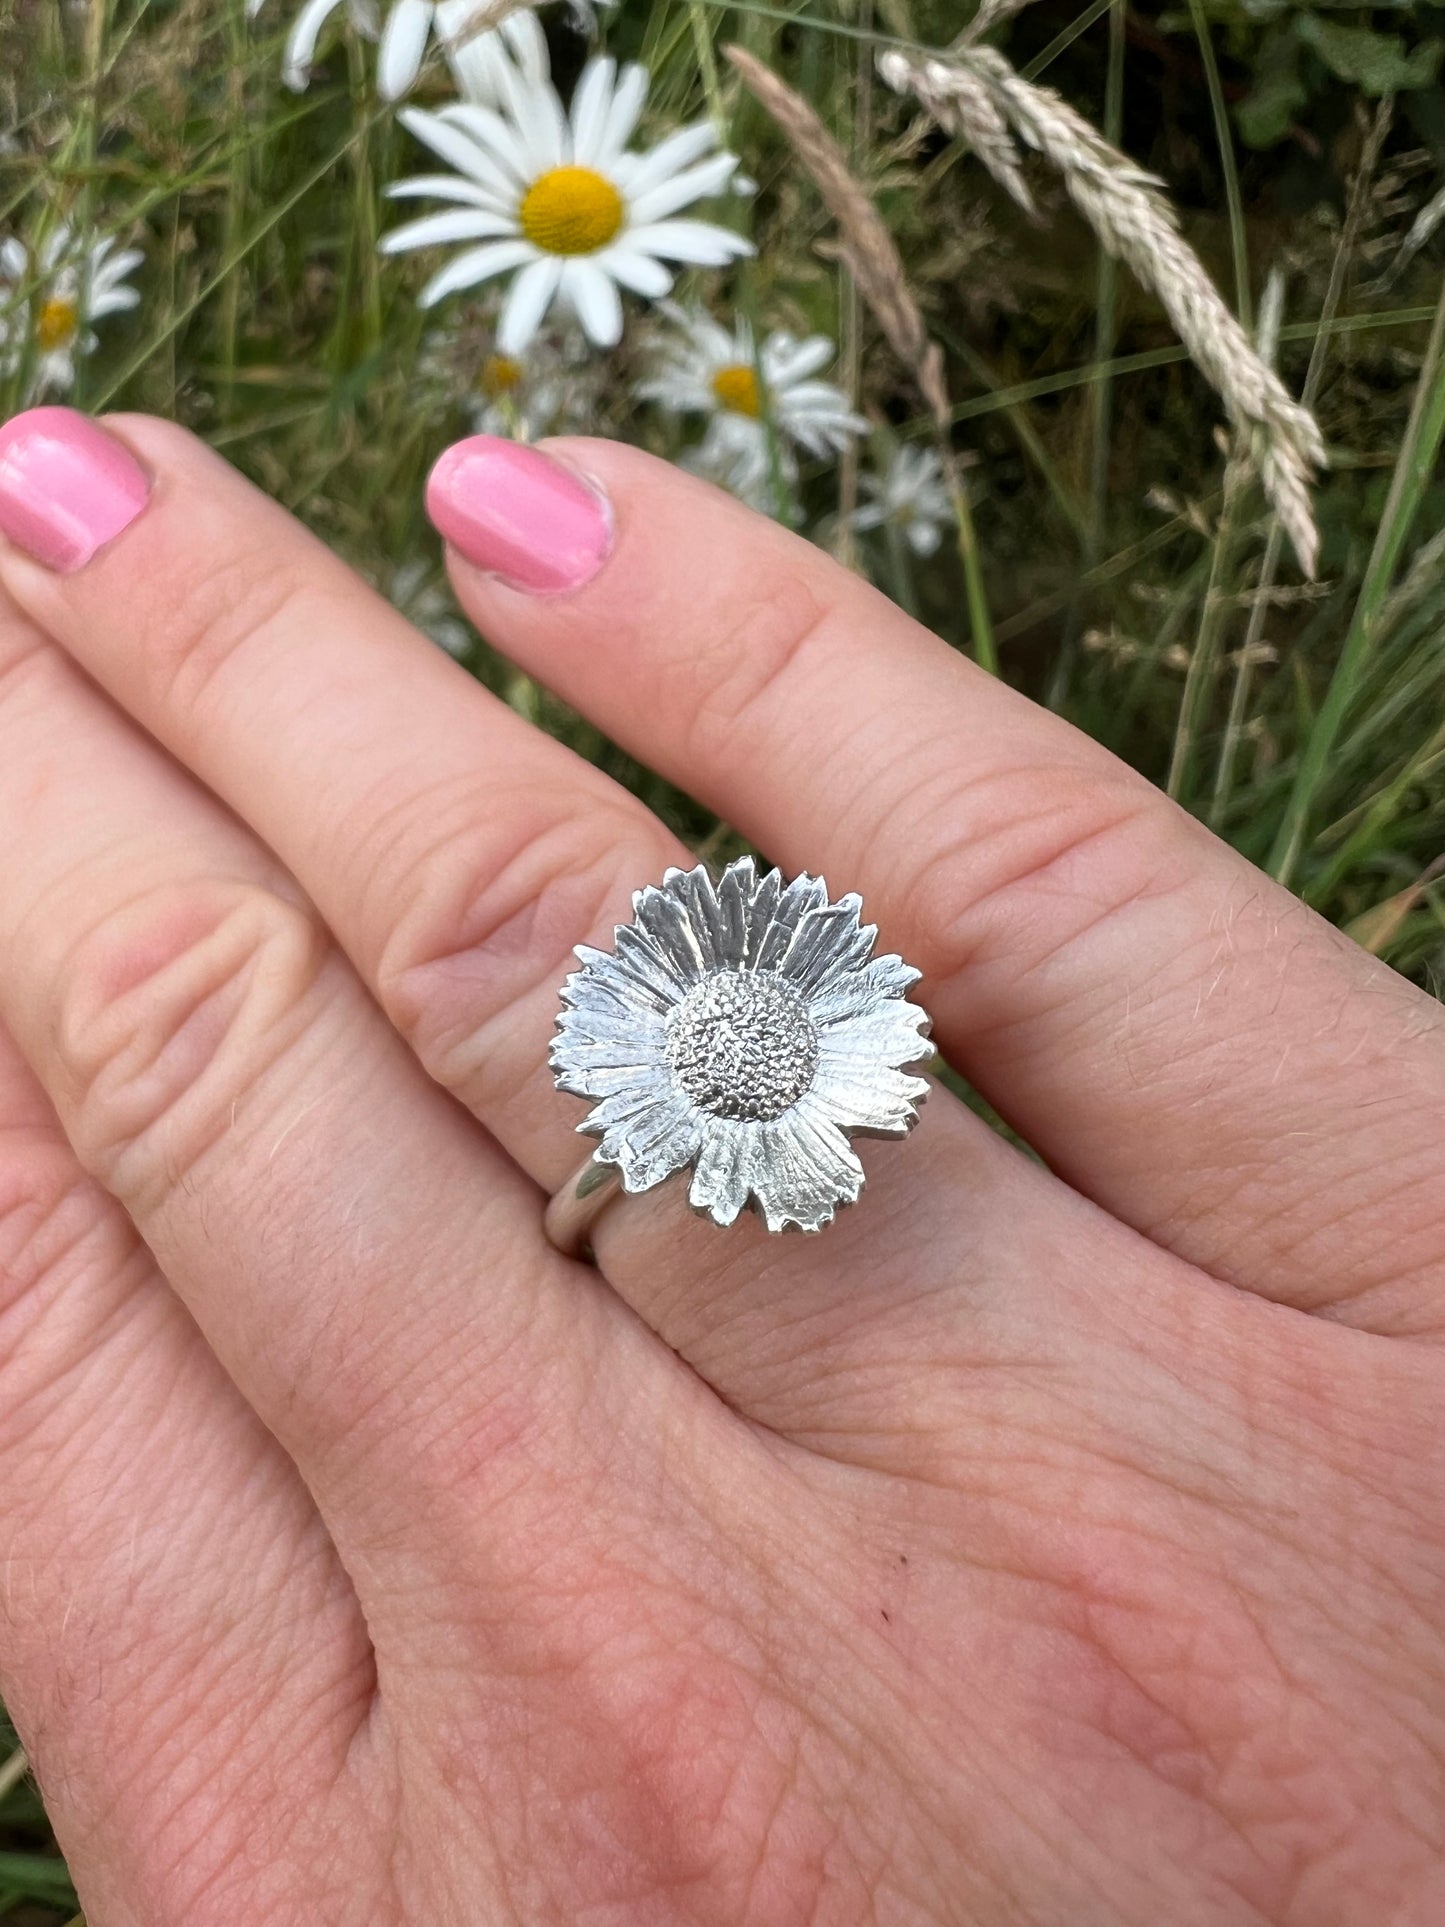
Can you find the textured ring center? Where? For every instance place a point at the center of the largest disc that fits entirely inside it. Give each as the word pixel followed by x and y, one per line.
pixel 741 1045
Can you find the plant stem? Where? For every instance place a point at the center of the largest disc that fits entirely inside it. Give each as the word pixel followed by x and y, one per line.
pixel 1274 546
pixel 985 649
pixel 1413 468
pixel 1238 240
pixel 1199 679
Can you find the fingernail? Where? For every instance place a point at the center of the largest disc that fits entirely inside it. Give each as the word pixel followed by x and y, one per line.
pixel 520 515
pixel 66 487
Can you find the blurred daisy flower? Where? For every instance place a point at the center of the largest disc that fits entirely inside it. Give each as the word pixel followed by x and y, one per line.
pixel 50 297
pixel 704 368
pixel 555 387
pixel 556 200
pixel 473 49
pixel 910 496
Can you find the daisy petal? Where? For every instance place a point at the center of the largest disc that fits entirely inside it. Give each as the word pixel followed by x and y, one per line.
pixel 697 242
pixel 113 301
pixel 492 133
pixel 590 105
pixel 403 44
pixel 536 114
pixel 595 301
pixel 804 1169
pixel 823 938
pixel 664 1135
pixel 673 929
pixel 432 230
pixel 639 272
pixel 459 143
pixel 891 1033
pixel 473 266
pixel 692 184
pixel 628 97
pixel 719 1183
pixel 844 993
pixel 301 42
pixel 786 360
pixel 527 302
pixel 804 893
pixel 872 1100
pixel 679 150
pixel 446 187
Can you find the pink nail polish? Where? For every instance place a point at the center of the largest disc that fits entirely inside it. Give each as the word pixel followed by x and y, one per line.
pixel 66 487
pixel 515 512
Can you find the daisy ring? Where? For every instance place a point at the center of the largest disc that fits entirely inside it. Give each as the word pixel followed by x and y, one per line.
pixel 742 1029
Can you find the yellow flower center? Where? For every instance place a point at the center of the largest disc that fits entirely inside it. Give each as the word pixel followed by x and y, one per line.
pixel 570 210
pixel 500 375
pixel 736 389
pixel 56 323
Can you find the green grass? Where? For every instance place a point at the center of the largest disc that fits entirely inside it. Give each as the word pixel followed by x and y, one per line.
pixel 1114 562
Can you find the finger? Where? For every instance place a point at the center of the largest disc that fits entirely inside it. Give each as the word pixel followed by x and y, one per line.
pixel 367 1265
pixel 1176 1034
pixel 458 855
pixel 173 1616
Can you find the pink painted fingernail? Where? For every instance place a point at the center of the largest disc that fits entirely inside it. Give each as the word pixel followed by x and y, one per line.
pixel 515 512
pixel 66 487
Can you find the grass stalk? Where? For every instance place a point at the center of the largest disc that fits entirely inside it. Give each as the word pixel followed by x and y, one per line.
pixel 1412 472
pixel 1274 545
pixel 1238 239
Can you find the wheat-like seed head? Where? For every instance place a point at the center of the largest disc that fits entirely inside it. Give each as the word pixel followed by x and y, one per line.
pixel 1132 219
pixel 869 249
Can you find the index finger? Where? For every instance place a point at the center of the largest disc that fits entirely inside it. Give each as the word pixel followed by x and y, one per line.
pixel 1178 1035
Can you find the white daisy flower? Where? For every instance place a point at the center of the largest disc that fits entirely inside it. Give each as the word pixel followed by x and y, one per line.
pixel 911 495
pixel 554 388
pixel 707 369
pixel 741 1028
pixel 49 299
pixel 559 199
pixel 473 55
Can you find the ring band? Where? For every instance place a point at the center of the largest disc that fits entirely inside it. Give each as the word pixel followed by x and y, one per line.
pixel 579 1204
pixel 744 1029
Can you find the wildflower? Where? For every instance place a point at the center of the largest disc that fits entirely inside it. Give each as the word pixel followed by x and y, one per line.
pixel 472 51
pixel 911 495
pixel 49 299
pixel 559 199
pixel 707 369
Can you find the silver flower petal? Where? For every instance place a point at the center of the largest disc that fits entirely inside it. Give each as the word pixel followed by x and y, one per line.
pixel 743 1028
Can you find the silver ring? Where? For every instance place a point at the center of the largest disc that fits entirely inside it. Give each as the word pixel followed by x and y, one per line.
pixel 742 1030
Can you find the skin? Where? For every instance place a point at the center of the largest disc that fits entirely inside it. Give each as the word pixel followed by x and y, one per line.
pixel 1055 1543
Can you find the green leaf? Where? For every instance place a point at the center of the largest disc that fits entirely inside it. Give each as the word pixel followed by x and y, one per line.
pixel 38 1875
pixel 1267 111
pixel 1377 63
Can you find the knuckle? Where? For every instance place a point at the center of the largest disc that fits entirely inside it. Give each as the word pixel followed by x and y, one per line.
pixel 49 1212
pixel 201 618
pixel 1020 860
pixel 735 675
pixel 172 1011
pixel 486 911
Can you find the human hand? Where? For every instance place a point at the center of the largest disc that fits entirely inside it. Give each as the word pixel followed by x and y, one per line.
pixel 1047 1546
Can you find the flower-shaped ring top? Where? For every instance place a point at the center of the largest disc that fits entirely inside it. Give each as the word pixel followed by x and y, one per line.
pixel 746 1029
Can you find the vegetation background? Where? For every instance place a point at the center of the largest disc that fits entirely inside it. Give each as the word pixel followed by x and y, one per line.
pixel 1132 575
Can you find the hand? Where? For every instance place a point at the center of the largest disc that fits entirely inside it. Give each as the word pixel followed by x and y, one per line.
pixel 1060 1546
